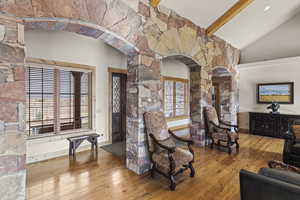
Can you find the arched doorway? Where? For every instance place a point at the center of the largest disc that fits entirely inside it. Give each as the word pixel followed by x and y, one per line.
pixel 197 98
pixel 223 94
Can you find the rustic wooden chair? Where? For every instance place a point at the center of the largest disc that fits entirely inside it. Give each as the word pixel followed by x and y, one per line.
pixel 220 132
pixel 167 159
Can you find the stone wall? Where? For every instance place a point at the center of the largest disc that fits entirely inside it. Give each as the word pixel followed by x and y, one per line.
pixel 146 35
pixel 12 103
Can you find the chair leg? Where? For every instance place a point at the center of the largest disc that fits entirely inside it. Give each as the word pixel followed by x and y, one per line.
pixel 172 183
pixel 212 144
pixel 237 144
pixel 192 174
pixel 219 145
pixel 229 147
pixel 152 170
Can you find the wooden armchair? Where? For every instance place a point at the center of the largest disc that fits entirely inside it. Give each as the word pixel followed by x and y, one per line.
pixel 220 132
pixel 167 159
pixel 291 150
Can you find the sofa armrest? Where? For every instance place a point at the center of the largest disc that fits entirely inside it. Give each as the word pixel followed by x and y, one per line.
pixel 259 187
pixel 282 175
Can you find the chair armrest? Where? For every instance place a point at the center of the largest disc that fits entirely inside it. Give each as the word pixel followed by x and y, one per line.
pixel 288 136
pixel 169 149
pixel 229 125
pixel 181 139
pixel 219 127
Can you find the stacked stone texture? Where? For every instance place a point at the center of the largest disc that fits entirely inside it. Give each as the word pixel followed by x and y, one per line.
pixel 12 102
pixel 145 34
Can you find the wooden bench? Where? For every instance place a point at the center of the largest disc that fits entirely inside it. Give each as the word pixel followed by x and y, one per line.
pixel 74 142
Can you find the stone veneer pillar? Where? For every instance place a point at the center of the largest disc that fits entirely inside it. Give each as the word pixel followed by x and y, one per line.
pixel 143 94
pixel 12 103
pixel 195 106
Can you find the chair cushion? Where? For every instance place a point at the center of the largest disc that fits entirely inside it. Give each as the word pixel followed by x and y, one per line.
pixel 282 175
pixel 181 157
pixel 223 136
pixel 296 148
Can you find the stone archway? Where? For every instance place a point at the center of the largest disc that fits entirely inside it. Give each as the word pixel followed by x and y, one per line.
pixel 82 28
pixel 228 102
pixel 144 34
pixel 196 105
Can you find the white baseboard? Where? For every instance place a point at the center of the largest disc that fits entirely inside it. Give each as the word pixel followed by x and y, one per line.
pixel 56 154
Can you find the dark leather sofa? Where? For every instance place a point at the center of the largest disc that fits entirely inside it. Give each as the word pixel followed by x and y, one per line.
pixel 269 184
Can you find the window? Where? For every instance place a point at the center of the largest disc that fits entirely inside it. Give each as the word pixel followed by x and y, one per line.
pixel 57 100
pixel 175 97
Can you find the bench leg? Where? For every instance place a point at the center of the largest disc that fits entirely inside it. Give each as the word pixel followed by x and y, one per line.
pixel 70 148
pixel 92 146
pixel 73 149
pixel 96 145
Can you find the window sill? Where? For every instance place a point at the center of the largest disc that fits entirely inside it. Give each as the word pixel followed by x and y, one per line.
pixel 169 119
pixel 61 135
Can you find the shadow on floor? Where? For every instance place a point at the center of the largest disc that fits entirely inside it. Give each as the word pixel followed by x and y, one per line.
pixel 117 149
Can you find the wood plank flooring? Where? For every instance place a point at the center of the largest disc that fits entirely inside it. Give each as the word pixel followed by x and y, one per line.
pixel 217 175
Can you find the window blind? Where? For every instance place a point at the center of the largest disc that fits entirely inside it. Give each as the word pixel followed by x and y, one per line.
pixel 40 100
pixel 66 100
pixel 56 100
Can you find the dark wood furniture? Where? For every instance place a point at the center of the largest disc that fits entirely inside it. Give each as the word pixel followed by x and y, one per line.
pixel 272 125
pixel 74 142
pixel 220 133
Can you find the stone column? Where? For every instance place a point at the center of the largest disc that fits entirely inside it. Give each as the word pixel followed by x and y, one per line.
pixel 199 86
pixel 12 106
pixel 143 94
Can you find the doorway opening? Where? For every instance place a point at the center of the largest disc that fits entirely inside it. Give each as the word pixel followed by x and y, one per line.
pixel 118 81
pixel 221 93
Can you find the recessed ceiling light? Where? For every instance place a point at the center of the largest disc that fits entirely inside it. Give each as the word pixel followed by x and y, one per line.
pixel 267 8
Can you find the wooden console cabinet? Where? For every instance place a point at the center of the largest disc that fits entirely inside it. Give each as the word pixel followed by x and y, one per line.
pixel 272 125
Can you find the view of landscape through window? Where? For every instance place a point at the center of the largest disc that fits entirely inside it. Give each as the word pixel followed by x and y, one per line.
pixel 51 96
pixel 175 101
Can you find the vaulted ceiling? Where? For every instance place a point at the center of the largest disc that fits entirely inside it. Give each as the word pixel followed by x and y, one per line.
pixel 258 19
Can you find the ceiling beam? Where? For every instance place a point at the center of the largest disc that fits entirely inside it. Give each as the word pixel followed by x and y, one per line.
pixel 227 16
pixel 154 3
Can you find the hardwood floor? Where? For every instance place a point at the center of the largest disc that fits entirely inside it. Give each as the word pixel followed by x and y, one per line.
pixel 217 175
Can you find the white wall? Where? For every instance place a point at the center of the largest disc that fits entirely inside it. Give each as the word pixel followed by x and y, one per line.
pixel 74 48
pixel 176 69
pixel 283 42
pixel 281 70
